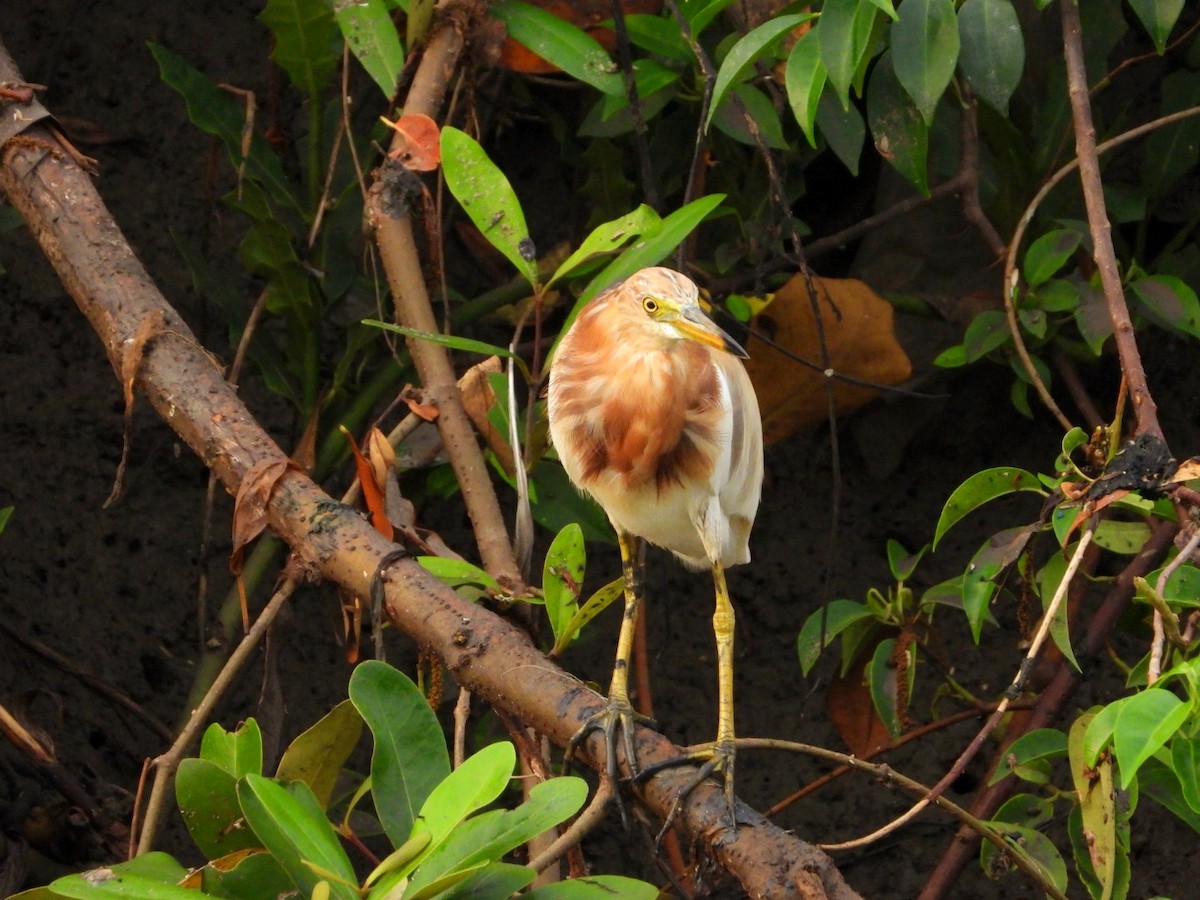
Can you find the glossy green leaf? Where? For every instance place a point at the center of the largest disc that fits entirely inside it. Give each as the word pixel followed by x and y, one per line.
pixel 1095 792
pixel 832 619
pixel 596 604
pixel 1049 253
pixel 292 826
pixel 562 578
pixel 901 563
pixel 453 341
pixel 979 582
pixel 700 13
pixel 372 38
pixel 559 503
pixel 843 129
pixel 1039 744
pixel 804 79
pixel 497 880
pixel 650 77
pixel 304 35
pixel 220 114
pixel 455 572
pixel 1158 17
pixel 900 133
pixel 1049 578
pixel 844 34
pixel 236 752
pixel 1185 760
pixel 608 238
pixel 488 836
pixel 1171 151
pixel 884 686
pixel 596 887
pixel 1161 782
pixel 151 876
pixel 1168 302
pixel 1056 295
pixel 318 754
pixel 207 797
pixel 748 106
pixel 5 514
pixel 410 757
pixel 557 41
pixel 925 46
pixel 978 490
pixel 752 47
pixel 1147 720
pixel 1125 538
pixel 659 36
pixel 993 49
pixel 1026 842
pixel 1182 588
pixel 487 197
pixel 1092 318
pixel 253 877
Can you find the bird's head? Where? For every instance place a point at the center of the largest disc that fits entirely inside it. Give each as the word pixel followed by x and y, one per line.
pixel 669 302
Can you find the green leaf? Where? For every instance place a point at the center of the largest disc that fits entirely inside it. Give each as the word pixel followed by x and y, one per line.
pixel 410 757
pixel 5 514
pixel 558 504
pixel 372 38
pixel 207 797
pixel 699 13
pixel 650 77
pixel 596 604
pixel 804 78
pixel 559 42
pixel 151 876
pixel 608 238
pixel 978 490
pixel 1171 151
pixel 900 133
pixel 490 835
pixel 1049 578
pixel 1158 17
pixel 1092 318
pixel 496 880
pixel 659 36
pixel 1125 538
pixel 453 341
pixel 317 755
pixel 455 572
pixel 1049 253
pixel 988 331
pixel 304 33
pixel 236 752
pixel 1146 721
pixel 216 112
pixel 749 49
pixel 256 876
pixel 1057 295
pixel 993 49
pixel 1169 303
pixel 1185 760
pixel 595 887
pixel 293 827
pixel 883 683
pixel 844 34
pixel 901 563
pixel 487 197
pixel 979 582
pixel 747 104
pixel 1029 843
pixel 925 46
pixel 844 130
pixel 1161 782
pixel 1039 744
pixel 562 579
pixel 832 619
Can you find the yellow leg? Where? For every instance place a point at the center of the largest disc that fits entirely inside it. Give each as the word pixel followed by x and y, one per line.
pixel 618 712
pixel 725 747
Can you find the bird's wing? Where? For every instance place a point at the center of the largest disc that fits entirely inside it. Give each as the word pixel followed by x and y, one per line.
pixel 740 491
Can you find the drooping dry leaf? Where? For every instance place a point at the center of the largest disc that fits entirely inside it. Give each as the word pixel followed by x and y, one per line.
pixel 852 713
pixel 250 507
pixel 373 493
pixel 131 362
pixel 478 397
pixel 417 404
pixel 417 145
pixel 861 344
pixel 305 452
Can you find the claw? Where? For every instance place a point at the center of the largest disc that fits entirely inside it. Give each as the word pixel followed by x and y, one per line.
pixel 616 713
pixel 717 758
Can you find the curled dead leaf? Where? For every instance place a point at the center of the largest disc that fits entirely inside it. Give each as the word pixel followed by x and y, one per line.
pixel 859 336
pixel 478 398
pixel 417 145
pixel 132 353
pixel 418 405
pixel 250 507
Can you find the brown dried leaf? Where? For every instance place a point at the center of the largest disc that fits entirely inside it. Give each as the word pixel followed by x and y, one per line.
pixel 478 397
pixel 418 405
pixel 848 702
pixel 131 362
pixel 250 507
pixel 860 340
pixel 417 145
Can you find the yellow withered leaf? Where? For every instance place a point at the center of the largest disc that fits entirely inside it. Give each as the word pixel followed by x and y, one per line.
pixel 861 344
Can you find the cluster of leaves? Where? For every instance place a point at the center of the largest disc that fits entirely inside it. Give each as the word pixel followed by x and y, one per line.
pixel 268 837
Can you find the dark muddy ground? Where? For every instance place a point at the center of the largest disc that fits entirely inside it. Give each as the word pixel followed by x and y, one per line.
pixel 113 590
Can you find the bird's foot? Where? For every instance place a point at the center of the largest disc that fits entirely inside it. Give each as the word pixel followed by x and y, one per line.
pixel 617 713
pixel 715 758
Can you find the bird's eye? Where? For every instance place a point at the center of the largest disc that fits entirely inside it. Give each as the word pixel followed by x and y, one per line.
pixel 650 305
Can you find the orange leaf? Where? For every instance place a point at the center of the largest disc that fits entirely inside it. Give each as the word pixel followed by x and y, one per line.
pixel 852 713
pixel 417 404
pixel 372 490
pixel 860 341
pixel 417 144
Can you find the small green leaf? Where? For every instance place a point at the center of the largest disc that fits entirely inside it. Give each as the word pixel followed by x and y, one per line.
pixel 608 238
pixel 1125 538
pixel 1158 17
pixel 1056 295
pixel 749 49
pixel 832 619
pixel 292 826
pixel 1092 318
pixel 455 572
pixel 495 880
pixel 900 133
pixel 372 38
pixel 1028 843
pixel 978 490
pixel 304 33
pixel 699 14
pixel 1049 253
pixel 236 752
pixel 901 563
pixel 5 514
pixel 207 797
pixel 843 129
pixel 993 49
pixel 1185 760
pixel 410 757
pixel 988 331
pixel 562 579
pixel 254 876
pixel 659 36
pixel 804 78
pixel 112 882
pixel 925 46
pixel 559 42
pixel 317 755
pixel 454 342
pixel 595 887
pixel 486 195
pixel 844 34
pixel 1049 579
pixel 883 685
pixel 1145 723
pixel 1039 744
pixel 596 604
pixel 1171 151
pixel 1169 302
pixel 1161 782
pixel 979 582
pixel 748 105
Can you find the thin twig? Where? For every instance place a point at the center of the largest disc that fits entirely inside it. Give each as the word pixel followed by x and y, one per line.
pixel 592 815
pixel 1156 648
